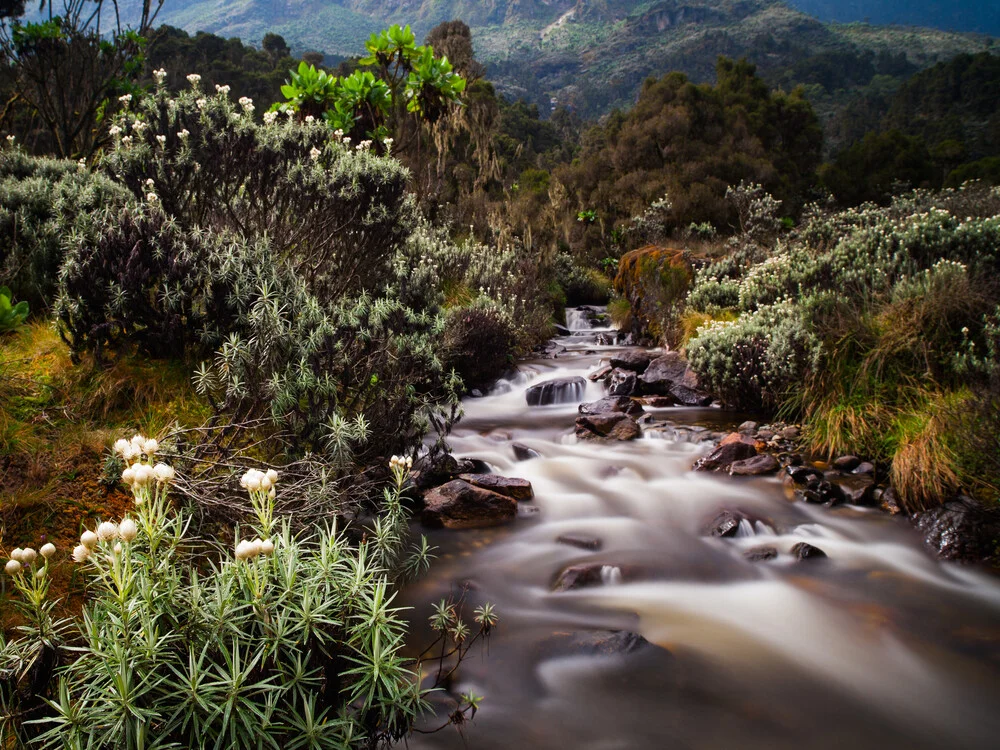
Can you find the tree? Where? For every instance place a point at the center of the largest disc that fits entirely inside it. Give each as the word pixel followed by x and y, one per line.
pixel 69 69
pixel 275 46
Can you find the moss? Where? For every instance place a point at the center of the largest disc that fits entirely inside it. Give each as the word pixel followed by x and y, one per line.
pixel 655 281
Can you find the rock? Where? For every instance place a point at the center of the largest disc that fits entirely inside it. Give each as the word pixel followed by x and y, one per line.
pixel 595 643
pixel 756 466
pixel 961 530
pixel 611 404
pixel 659 402
pixel 613 426
pixel 473 466
pixel 747 428
pixel 562 330
pixel 524 453
pixel 581 541
pixel 802 475
pixel 889 502
pixel 791 433
pixel 600 373
pixel 556 391
pixel 759 554
pixel 460 505
pixel 765 435
pixel 662 373
pixel 724 455
pixel 822 491
pixel 864 468
pixel 856 489
pixel 513 487
pixel 804 551
pixel 429 473
pixel 584 575
pixel 846 463
pixel 622 383
pixel 726 524
pixel 689 396
pixel 632 359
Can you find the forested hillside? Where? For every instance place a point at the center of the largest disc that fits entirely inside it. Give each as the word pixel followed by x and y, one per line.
pixel 960 15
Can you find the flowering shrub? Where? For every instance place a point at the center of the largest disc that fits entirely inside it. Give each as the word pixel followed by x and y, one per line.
pixel 479 342
pixel 282 640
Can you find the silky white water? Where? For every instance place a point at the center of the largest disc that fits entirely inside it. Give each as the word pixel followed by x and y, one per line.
pixel 877 646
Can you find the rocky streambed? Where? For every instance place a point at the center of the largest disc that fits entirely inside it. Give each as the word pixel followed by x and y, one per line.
pixel 668 574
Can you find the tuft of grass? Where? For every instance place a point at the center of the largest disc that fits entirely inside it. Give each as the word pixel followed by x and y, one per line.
pixel 620 312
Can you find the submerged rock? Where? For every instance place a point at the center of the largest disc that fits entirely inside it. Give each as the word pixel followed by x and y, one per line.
pixel 755 466
pixel 581 541
pixel 725 454
pixel 596 643
pixel 460 505
pixel 804 551
pixel 556 391
pixel 611 404
pixel 524 453
pixel 611 426
pixel 760 554
pixel 518 489
pixel 961 530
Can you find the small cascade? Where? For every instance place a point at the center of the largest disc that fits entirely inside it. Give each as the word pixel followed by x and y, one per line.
pixel 557 391
pixel 611 575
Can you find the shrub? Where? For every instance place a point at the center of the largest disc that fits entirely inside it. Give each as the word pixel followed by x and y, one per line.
pixel 479 342
pixel 582 286
pixel 284 640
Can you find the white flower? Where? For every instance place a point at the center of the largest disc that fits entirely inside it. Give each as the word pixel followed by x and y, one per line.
pixel 183 134
pixel 290 112
pixel 256 547
pixel 347 141
pixel 224 90
pixel 107 531
pixel 125 99
pixel 16 554
pixel 194 79
pixel 128 476
pixel 315 153
pixel 28 555
pixel 80 553
pixel 150 446
pixel 270 117
pixel 272 475
pixel 139 125
pixel 88 539
pixel 252 479
pixel 10 140
pixel 162 140
pixel 149 184
pixel 128 530
pixel 13 567
pixel 114 130
pixel 309 119
pixel 338 134
pixel 200 103
pixel 362 145
pixel 118 548
pixel 267 547
pixel 163 473
pixel 247 103
pixel 388 144
pixel 48 550
pixel 122 446
pixel 144 474
pixel 243 550
pixel 152 198
pixel 126 140
pixel 160 75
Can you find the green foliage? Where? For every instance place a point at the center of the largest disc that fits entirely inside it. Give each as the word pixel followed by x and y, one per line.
pixel 11 315
pixel 310 91
pixel 874 168
pixel 582 286
pixel 479 342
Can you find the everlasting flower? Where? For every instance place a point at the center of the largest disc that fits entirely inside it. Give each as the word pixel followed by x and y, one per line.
pixel 10 140
pixel 48 550
pixel 152 198
pixel 200 103
pixel 347 141
pixel 224 90
pixel 28 556
pixel 270 117
pixel 16 554
pixel 128 476
pixel 150 446
pixel 127 530
pixel 144 474
pixel 244 550
pixel 80 553
pixel 126 140
pixel 162 140
pixel 272 475
pixel 247 103
pixel 88 539
pixel 194 79
pixel 267 547
pixel 114 130
pixel 139 125
pixel 338 134
pixel 309 119
pixel 256 547
pixel 184 134
pixel 315 153
pixel 13 567
pixel 160 75
pixel 363 145
pixel 107 531
pixel 388 144
pixel 163 473
pixel 125 99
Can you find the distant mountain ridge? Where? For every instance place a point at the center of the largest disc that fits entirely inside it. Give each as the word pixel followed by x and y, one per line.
pixel 982 16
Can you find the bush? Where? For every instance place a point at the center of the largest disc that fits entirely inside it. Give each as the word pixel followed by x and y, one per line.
pixel 479 342
pixel 42 201
pixel 282 640
pixel 582 286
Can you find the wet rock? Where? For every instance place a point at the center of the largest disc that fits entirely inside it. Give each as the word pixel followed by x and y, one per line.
pixel 804 551
pixel 596 643
pixel 724 455
pixel 620 404
pixel 662 373
pixel 622 383
pixel 581 541
pixel 726 524
pixel 802 475
pixel 429 473
pixel 756 466
pixel 476 393
pixel 760 554
pixel 791 433
pixel 747 428
pixel 473 466
pixel 613 426
pixel 792 459
pixel 856 489
pixel 513 487
pixel 460 505
pixel 524 453
pixel 659 402
pixel 600 374
pixel 865 468
pixel 822 491
pixel 686 396
pixel 889 501
pixel 585 575
pixel 846 463
pixel 961 530
pixel 556 391
pixel 632 359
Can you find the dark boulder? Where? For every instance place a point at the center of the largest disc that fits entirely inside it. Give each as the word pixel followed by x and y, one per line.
pixel 724 455
pixel 725 524
pixel 822 491
pixel 846 463
pixel 460 505
pixel 804 551
pixel 632 359
pixel 581 541
pixel 562 330
pixel 802 475
pixel 556 391
pixel 584 575
pixel 962 530
pixel 622 383
pixel 524 453
pixel 756 466
pixel 855 489
pixel 596 643
pixel 689 396
pixel 760 554
pixel 662 373
pixel 611 404
pixel 513 487
pixel 613 426
pixel 473 466
pixel 865 468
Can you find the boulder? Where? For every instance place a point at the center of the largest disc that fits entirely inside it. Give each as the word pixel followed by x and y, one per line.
pixel 724 455
pixel 756 466
pixel 822 491
pixel 581 541
pixel 613 426
pixel 889 501
pixel 524 453
pixel 802 475
pixel 611 404
pixel 513 487
pixel 659 402
pixel 865 468
pixel 726 524
pixel 595 643
pixel 961 530
pixel 460 505
pixel 600 373
pixel 556 391
pixel 622 383
pixel 431 472
pixel 747 428
pixel 562 330
pixel 686 396
pixel 804 551
pixel 846 463
pixel 632 359
pixel 855 489
pixel 759 554
pixel 584 575
pixel 662 373
pixel 791 433
pixel 473 466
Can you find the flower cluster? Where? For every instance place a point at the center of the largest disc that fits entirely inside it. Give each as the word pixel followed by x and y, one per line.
pixel 26 558
pixel 247 104
pixel 108 533
pixel 138 446
pixel 248 550
pixel 260 481
pixel 194 79
pixel 160 76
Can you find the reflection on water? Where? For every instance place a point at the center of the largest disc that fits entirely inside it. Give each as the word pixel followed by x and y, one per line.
pixel 877 646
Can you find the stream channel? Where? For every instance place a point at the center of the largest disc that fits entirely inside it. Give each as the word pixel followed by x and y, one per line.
pixel 876 646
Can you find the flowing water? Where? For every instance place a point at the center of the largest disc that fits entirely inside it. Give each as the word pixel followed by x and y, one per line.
pixel 877 646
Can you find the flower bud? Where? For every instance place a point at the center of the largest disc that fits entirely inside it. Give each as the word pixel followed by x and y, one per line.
pixel 127 530
pixel 118 548
pixel 256 547
pixel 265 483
pixel 40 573
pixel 13 567
pixel 80 553
pixel 267 547
pixel 16 554
pixel 48 550
pixel 122 446
pixel 243 550
pixel 28 556
pixel 88 539
pixel 150 447
pixel 163 473
pixel 128 476
pixel 107 531
pixel 272 475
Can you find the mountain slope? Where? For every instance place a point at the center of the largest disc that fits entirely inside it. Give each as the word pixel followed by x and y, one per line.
pixel 981 16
